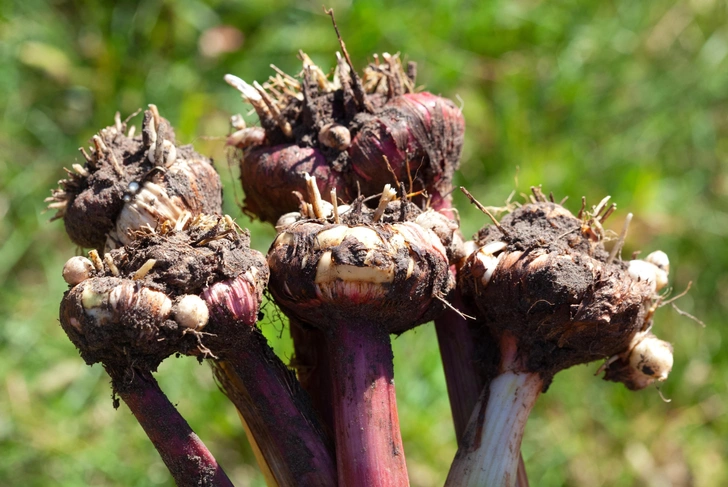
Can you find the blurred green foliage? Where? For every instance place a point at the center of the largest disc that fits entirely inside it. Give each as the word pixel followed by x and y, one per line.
pixel 586 98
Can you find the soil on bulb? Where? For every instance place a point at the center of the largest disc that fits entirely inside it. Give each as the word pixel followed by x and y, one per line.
pixel 555 290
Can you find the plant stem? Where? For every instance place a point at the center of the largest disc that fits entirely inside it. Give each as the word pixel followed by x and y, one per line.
pixel 187 458
pixel 369 448
pixel 457 349
pixel 311 361
pixel 277 414
pixel 490 450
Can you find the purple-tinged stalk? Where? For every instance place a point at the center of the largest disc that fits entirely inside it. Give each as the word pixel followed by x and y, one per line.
pixel 127 183
pixel 106 318
pixel 358 278
pixel 209 260
pixel 276 412
pixel 185 455
pixel 312 365
pixel 548 297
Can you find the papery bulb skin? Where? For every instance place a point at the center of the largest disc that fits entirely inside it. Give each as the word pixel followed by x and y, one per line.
pixel 418 137
pixel 549 296
pixel 92 313
pixel 270 175
pixel 133 181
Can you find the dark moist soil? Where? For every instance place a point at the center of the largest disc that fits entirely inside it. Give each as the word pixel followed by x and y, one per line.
pixel 407 302
pixel 544 225
pixel 189 261
pixel 99 198
pixel 186 262
pixel 562 312
pixel 436 140
pixel 91 215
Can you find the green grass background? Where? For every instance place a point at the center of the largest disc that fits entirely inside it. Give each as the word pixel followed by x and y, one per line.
pixel 586 98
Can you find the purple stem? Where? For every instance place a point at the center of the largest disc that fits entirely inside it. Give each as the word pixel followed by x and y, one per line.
pixel 457 350
pixel 278 415
pixel 187 458
pixel 369 450
pixel 311 361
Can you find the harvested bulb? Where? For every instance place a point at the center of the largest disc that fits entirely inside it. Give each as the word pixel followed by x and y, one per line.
pixel 130 182
pixel 140 302
pixel 359 276
pixel 353 134
pixel 549 296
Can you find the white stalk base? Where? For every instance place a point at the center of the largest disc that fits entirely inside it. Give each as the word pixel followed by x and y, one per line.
pixel 491 446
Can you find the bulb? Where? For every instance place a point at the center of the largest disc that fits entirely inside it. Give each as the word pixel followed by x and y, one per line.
pixel 354 135
pixel 77 269
pixel 191 312
pixel 130 182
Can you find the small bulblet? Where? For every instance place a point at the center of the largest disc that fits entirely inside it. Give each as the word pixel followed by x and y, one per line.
pixel 236 300
pixel 326 272
pixel 130 182
pixel 646 361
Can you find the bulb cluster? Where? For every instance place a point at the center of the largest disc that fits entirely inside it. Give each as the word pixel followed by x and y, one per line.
pixel 154 296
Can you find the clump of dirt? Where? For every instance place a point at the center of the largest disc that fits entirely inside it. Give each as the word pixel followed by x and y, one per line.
pixel 130 181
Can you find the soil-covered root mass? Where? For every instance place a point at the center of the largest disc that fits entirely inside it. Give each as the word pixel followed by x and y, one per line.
pixel 386 265
pixel 544 277
pixel 129 181
pixel 144 301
